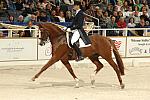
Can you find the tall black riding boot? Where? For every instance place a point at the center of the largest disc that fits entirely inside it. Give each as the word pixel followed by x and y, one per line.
pixel 79 54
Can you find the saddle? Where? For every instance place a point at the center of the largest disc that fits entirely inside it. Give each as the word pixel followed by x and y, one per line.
pixel 80 43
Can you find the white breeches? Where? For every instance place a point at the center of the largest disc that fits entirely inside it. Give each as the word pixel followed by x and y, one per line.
pixel 75 37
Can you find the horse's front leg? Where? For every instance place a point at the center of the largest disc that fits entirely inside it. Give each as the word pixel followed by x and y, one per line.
pixel 49 63
pixel 57 55
pixel 68 66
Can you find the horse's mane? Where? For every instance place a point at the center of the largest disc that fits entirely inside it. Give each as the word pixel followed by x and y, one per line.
pixel 53 29
pixel 55 33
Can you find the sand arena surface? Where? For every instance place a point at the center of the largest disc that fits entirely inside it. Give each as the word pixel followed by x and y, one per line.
pixel 58 84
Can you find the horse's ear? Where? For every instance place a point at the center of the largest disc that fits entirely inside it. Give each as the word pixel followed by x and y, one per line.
pixel 39 25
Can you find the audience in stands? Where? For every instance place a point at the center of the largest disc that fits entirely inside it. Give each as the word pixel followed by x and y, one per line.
pixel 126 13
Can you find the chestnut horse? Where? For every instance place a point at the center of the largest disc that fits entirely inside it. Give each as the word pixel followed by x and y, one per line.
pixel 101 46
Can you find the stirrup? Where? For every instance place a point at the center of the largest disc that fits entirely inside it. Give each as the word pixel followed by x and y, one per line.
pixel 80 58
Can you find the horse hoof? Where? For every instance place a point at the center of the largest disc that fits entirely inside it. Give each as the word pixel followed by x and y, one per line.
pixel 33 79
pixel 93 86
pixel 92 82
pixel 76 87
pixel 122 86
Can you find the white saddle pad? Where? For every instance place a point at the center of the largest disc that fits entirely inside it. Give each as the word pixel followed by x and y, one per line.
pixel 81 43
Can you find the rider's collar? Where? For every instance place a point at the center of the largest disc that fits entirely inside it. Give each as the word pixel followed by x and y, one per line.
pixel 77 11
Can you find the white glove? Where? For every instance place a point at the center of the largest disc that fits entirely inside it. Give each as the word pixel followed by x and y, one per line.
pixel 64 28
pixel 68 30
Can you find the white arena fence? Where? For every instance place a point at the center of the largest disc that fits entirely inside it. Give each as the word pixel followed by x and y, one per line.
pixel 14 48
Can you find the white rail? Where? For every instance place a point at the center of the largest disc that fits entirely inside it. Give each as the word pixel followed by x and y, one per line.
pixel 95 30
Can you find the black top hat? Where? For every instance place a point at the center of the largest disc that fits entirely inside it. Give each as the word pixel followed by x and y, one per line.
pixel 77 2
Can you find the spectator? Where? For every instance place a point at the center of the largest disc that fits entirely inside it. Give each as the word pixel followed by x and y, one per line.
pixel 140 25
pixel 129 12
pixel 138 4
pixel 125 6
pixel 1 34
pixel 44 3
pixel 115 14
pixel 11 19
pixel 144 8
pixel 69 16
pixel 38 6
pixel 106 18
pixel 48 10
pixel 136 11
pixel 145 4
pixel 84 6
pixel 103 5
pixel 21 33
pixel 118 5
pixel 57 10
pixel 29 10
pixel 54 18
pixel 147 24
pixel 145 16
pixel 43 17
pixel 37 15
pixel 121 24
pixel 29 32
pixel 29 1
pixel 115 8
pixel 109 10
pixel 99 15
pixel 61 16
pixel 31 17
pixel 136 18
pixel 19 5
pixel 131 24
pixel 110 25
pixel 120 14
pixel 20 19
pixel 10 4
pixel 130 3
pixel 90 11
pixel 5 32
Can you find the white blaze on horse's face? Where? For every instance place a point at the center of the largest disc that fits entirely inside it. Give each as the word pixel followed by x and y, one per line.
pixel 42 38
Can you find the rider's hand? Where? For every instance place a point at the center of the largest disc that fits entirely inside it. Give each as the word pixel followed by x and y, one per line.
pixel 68 30
pixel 65 28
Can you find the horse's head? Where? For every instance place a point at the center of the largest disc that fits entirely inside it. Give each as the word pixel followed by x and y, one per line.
pixel 49 31
pixel 44 35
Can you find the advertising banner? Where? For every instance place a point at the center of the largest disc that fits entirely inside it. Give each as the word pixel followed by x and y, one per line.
pixel 44 52
pixel 18 49
pixel 138 47
pixel 120 43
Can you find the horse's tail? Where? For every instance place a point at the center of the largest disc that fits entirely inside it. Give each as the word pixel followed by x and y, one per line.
pixel 118 58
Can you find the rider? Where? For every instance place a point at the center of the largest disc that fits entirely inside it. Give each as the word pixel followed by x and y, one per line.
pixel 77 29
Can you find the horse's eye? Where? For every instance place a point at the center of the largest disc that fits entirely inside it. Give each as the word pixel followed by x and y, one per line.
pixel 41 28
pixel 40 38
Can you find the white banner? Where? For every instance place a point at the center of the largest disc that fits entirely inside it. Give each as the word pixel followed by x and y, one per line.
pixel 138 46
pixel 18 49
pixel 120 43
pixel 44 52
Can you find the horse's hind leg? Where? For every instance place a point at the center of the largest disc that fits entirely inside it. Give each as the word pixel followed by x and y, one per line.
pixel 115 67
pixel 49 63
pixel 68 66
pixel 99 66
